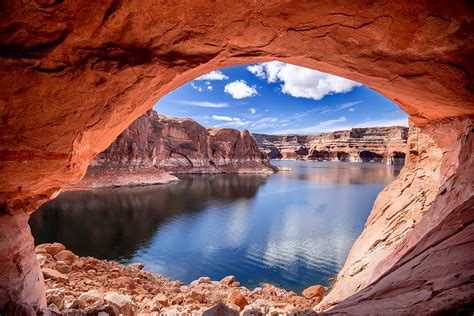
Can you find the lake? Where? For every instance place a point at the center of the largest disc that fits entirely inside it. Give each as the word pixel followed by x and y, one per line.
pixel 292 229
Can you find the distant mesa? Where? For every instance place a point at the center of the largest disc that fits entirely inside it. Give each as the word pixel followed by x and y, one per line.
pixel 376 144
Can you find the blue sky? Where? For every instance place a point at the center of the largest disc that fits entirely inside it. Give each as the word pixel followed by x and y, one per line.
pixel 279 98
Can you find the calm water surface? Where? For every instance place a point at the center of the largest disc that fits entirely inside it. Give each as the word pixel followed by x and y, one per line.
pixel 292 229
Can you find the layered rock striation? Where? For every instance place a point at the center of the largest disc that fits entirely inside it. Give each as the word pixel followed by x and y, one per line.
pixel 377 144
pixel 156 146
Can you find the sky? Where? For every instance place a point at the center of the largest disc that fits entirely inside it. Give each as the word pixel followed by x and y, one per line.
pixel 279 98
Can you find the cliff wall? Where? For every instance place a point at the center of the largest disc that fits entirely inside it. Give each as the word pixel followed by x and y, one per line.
pixel 380 144
pixel 155 146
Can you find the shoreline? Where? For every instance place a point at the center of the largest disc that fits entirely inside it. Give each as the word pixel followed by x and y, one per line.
pixel 79 284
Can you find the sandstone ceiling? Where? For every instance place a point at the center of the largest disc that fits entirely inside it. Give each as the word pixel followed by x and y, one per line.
pixel 74 74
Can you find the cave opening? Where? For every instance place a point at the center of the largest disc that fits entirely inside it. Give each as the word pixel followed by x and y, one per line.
pixel 207 144
pixel 73 81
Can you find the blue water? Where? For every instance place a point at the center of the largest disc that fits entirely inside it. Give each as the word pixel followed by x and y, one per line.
pixel 291 229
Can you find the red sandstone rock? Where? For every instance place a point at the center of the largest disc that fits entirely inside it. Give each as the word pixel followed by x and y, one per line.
pixel 154 145
pixel 387 144
pixel 228 280
pixel 314 292
pixel 55 248
pixel 54 275
pixel 236 298
pixel 67 256
pixel 123 303
pixel 62 267
pixel 71 81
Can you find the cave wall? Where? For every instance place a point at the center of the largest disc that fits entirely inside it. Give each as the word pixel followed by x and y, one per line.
pixel 74 76
pixel 415 253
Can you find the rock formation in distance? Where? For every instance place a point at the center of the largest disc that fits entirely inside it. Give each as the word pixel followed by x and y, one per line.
pixel 155 146
pixel 376 144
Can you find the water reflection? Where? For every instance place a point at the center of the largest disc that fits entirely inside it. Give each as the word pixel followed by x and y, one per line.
pixel 114 223
pixel 291 228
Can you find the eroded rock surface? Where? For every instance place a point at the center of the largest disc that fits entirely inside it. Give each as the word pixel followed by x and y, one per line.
pixel 154 146
pixel 414 249
pixel 73 77
pixel 378 144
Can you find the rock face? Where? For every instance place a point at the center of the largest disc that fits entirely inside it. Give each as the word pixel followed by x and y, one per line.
pixel 419 226
pixel 154 146
pixel 379 144
pixel 73 77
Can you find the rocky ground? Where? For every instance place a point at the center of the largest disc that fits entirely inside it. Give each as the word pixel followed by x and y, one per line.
pixel 88 286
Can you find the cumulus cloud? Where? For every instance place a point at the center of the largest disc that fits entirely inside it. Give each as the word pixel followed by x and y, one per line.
pixel 257 70
pixel 205 104
pixel 239 89
pixel 252 111
pixel 225 118
pixel 302 82
pixel 213 75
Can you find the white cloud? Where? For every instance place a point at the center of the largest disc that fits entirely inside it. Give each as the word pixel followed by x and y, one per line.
pixel 321 127
pixel 213 75
pixel 259 124
pixel 239 89
pixel 225 118
pixel 302 82
pixel 198 88
pixel 257 70
pixel 351 110
pixel 205 104
pixel 252 111
pixel 340 107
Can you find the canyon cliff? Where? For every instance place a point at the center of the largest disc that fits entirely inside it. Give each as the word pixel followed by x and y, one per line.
pixel 377 144
pixel 155 146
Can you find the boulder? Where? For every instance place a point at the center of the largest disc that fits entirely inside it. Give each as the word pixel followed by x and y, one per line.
pixel 17 308
pixel 62 267
pixel 65 255
pixel 54 248
pixel 197 296
pixel 54 275
pixel 178 299
pixel 220 310
pixel 56 297
pixel 162 300
pixel 314 292
pixel 228 280
pixel 137 265
pixel 41 249
pixel 236 298
pixel 204 280
pixel 125 282
pixel 123 303
pixel 92 298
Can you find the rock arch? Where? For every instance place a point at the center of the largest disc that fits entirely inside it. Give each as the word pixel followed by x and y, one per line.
pixel 71 81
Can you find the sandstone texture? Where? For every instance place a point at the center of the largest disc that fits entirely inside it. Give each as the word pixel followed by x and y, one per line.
pixel 74 76
pixel 99 285
pixel 155 146
pixel 378 144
